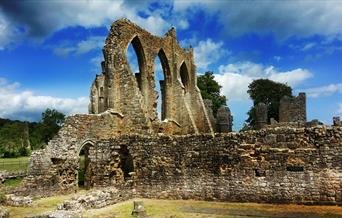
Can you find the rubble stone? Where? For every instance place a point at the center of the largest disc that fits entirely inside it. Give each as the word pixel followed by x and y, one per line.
pixel 4 213
pixel 14 200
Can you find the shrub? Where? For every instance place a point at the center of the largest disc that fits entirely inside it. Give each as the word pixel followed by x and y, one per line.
pixel 2 197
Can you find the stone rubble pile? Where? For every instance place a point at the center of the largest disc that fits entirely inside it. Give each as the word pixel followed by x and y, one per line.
pixel 18 201
pixel 95 199
pixel 59 214
pixel 4 213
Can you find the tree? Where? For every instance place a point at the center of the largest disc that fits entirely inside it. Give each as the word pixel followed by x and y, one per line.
pixel 210 89
pixel 17 138
pixel 52 120
pixel 268 92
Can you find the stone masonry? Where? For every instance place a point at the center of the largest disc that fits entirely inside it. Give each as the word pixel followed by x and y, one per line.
pixel 179 157
pixel 293 109
pixel 260 115
pixel 224 120
pixel 283 165
pixel 134 95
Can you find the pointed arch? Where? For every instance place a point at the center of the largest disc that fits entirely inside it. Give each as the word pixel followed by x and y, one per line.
pixel 140 55
pixel 162 79
pixel 165 65
pixel 184 75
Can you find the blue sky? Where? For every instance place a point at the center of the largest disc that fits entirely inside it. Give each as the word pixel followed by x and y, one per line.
pixel 50 51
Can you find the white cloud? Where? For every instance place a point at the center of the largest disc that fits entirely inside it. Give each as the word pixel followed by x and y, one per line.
pixel 82 47
pixel 324 90
pixel 183 24
pixel 8 35
pixel 308 46
pixel 87 13
pixel 339 108
pixel 25 105
pixel 284 19
pixel 277 58
pixel 208 52
pixel 235 78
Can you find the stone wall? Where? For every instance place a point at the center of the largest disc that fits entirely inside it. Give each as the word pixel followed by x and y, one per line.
pixel 293 109
pixel 224 120
pixel 133 94
pixel 261 118
pixel 285 165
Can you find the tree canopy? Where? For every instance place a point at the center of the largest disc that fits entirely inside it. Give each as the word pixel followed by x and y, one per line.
pixel 210 89
pixel 268 92
pixel 17 138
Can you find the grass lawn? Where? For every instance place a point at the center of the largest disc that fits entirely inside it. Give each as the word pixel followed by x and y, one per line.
pixel 39 206
pixel 184 209
pixel 14 164
pixel 205 209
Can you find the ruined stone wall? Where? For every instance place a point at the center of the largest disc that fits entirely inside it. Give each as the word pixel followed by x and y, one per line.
pixel 293 109
pixel 261 118
pixel 285 165
pixel 134 95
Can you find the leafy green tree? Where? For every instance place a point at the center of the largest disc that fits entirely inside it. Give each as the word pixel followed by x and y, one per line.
pixel 268 92
pixel 17 138
pixel 52 120
pixel 210 89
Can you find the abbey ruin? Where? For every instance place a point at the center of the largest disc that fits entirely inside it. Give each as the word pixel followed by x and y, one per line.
pixel 179 156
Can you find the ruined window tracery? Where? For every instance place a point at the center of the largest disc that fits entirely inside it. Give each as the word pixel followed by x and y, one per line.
pixel 136 57
pixel 162 79
pixel 184 76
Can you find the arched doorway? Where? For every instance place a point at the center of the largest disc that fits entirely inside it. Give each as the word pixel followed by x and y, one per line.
pixel 126 162
pixel 84 171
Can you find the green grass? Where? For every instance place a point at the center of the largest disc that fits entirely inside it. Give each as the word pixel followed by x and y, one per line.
pixel 14 164
pixel 13 182
pixel 205 209
pixel 39 206
pixel 176 208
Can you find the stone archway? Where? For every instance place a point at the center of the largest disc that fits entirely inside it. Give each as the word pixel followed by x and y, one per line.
pixel 84 174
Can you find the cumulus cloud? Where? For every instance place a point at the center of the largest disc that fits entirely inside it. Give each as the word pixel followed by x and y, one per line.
pixel 8 35
pixel 324 90
pixel 339 108
pixel 82 47
pixel 208 52
pixel 39 19
pixel 284 19
pixel 235 78
pixel 25 105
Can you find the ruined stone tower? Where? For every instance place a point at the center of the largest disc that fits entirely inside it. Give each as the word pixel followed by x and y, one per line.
pixel 133 96
pixel 293 109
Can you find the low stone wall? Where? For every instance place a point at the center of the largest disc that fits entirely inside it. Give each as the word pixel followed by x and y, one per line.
pixel 278 165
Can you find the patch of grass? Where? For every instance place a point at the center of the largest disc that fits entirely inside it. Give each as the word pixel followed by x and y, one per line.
pixel 176 208
pixel 39 206
pixel 14 164
pixel 13 182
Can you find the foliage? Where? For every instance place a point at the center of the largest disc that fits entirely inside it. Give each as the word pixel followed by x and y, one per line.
pixel 13 182
pixel 210 89
pixel 245 128
pixel 2 197
pixel 268 92
pixel 52 120
pixel 18 138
